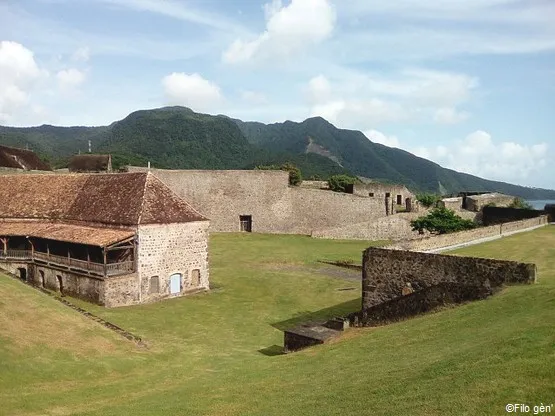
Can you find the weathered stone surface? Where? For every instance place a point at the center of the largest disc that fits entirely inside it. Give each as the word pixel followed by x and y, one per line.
pixel 389 275
pixel 275 207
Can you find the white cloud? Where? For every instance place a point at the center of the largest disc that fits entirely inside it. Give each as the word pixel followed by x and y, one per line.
pixel 81 54
pixel 253 97
pixel 289 29
pixel 361 101
pixel 18 74
pixel 378 137
pixel 449 116
pixel 478 154
pixel 70 79
pixel 191 90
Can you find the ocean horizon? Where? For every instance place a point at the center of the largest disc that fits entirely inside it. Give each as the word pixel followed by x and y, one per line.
pixel 540 203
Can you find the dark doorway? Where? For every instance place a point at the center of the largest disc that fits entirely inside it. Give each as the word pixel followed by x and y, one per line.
pixel 246 223
pixel 60 284
pixel 399 199
pixel 22 273
pixel 41 273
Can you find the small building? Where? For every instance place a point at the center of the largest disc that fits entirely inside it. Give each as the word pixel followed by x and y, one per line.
pixel 89 163
pixel 393 195
pixel 12 158
pixel 453 203
pixel 112 239
pixel 477 202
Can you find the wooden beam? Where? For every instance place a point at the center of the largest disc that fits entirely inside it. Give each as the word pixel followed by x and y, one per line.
pixel 119 248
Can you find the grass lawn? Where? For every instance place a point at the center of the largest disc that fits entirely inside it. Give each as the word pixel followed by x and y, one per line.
pixel 215 353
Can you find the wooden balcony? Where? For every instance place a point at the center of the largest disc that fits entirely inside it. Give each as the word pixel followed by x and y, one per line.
pixel 68 263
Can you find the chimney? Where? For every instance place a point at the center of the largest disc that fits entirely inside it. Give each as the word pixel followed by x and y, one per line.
pixel 89 146
pixel 149 165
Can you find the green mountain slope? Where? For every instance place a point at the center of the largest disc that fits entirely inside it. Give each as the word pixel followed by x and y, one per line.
pixel 178 138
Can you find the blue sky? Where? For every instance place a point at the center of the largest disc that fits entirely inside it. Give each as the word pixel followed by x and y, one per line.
pixel 469 84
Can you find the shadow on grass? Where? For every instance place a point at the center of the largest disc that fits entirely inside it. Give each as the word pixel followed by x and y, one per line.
pixel 272 351
pixel 321 315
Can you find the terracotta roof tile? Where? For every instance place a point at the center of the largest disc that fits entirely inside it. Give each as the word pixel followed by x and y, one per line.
pixel 11 157
pixel 113 199
pixel 71 233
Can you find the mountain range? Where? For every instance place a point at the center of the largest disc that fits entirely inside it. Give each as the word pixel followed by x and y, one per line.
pixel 179 138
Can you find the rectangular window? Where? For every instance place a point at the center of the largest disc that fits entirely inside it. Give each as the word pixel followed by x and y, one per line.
pixel 399 199
pixel 195 277
pixel 371 194
pixel 388 195
pixel 154 286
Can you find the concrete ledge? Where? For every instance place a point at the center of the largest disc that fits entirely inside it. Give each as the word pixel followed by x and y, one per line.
pixel 305 336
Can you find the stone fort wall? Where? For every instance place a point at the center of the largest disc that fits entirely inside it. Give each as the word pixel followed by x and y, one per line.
pixel 275 207
pixel 399 284
pixel 447 240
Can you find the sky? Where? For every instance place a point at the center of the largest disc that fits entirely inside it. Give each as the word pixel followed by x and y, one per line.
pixel 469 84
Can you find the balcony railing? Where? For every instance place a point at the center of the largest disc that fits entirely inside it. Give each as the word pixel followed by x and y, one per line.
pixel 110 269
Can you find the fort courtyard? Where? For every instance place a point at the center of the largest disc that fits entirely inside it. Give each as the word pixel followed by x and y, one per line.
pixel 219 353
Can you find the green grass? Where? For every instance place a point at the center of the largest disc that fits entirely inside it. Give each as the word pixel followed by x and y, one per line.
pixel 214 353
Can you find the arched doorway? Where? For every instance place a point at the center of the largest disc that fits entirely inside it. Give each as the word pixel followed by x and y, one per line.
pixel 42 280
pixel 22 273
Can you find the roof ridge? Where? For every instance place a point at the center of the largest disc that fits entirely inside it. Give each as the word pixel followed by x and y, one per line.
pixel 176 195
pixel 143 200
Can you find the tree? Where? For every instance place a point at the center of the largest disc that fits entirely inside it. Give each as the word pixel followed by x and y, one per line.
pixel 339 183
pixel 295 175
pixel 520 204
pixel 441 221
pixel 428 200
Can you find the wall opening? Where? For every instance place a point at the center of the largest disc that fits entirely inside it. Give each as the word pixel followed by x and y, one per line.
pixel 370 193
pixel 195 277
pixel 60 284
pixel 246 223
pixel 42 282
pixel 22 273
pixel 154 285
pixel 388 194
pixel 175 283
pixel 399 199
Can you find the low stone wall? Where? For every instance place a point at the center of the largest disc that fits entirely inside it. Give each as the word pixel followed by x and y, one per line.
pixel 447 240
pixel 393 227
pixel 500 215
pixel 451 203
pixel 390 275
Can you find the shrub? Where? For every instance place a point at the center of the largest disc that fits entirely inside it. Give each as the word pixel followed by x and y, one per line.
pixel 338 183
pixel 520 204
pixel 441 221
pixel 295 175
pixel 428 200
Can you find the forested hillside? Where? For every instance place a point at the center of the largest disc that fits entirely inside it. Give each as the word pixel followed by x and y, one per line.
pixel 178 138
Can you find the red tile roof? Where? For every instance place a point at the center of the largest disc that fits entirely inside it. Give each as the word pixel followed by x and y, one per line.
pixel 123 199
pixel 11 157
pixel 95 236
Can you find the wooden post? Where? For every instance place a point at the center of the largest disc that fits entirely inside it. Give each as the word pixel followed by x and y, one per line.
pixel 32 248
pixel 47 254
pixel 105 268
pixel 88 261
pixel 5 244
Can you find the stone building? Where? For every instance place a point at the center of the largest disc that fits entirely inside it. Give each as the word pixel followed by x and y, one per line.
pixel 89 163
pixel 113 239
pixel 477 202
pixel 395 195
pixel 263 201
pixel 12 158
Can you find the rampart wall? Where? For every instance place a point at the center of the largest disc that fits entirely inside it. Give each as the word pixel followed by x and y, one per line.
pixel 274 206
pixel 447 240
pixel 398 284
